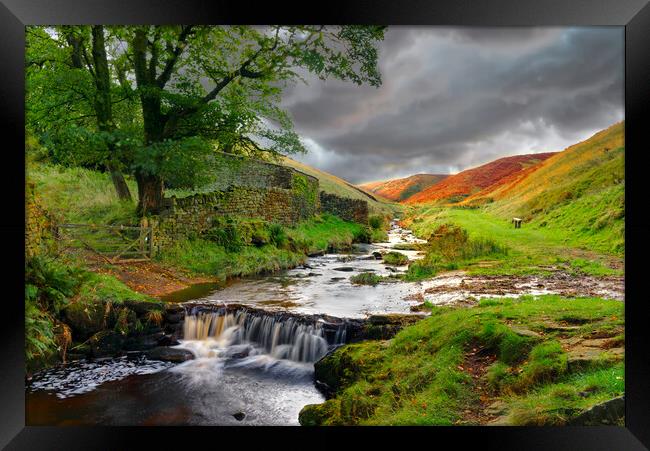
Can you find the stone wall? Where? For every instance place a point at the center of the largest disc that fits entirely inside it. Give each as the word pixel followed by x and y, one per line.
pixel 250 189
pixel 247 188
pixel 38 224
pixel 349 209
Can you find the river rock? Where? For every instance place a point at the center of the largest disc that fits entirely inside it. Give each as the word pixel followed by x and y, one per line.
pixel 167 354
pixel 344 268
pixel 377 255
pixel 610 412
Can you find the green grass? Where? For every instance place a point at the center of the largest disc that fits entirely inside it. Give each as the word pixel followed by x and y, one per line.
pixel 206 257
pixel 366 278
pixel 417 378
pixel 395 258
pixel 80 195
pixel 324 232
pixel 450 247
pixel 531 249
pixel 248 247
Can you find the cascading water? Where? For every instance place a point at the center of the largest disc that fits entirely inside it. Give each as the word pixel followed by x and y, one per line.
pixel 275 335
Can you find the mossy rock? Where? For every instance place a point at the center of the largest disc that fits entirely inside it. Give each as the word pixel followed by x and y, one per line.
pixel 395 259
pixel 85 319
pixel 325 414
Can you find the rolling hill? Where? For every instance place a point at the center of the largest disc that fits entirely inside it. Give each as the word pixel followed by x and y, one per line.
pixel 581 189
pixel 401 189
pixel 335 185
pixel 457 187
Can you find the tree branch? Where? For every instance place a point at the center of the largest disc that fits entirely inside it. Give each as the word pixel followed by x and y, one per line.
pixel 165 75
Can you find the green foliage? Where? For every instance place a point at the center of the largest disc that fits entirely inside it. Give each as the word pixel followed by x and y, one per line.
pixel 366 278
pixel 207 257
pixel 376 221
pixel 49 283
pixel 78 195
pixel 277 235
pixel 39 331
pixel 395 258
pixel 226 233
pixel 419 377
pixel 531 249
pixel 449 247
pixel 325 232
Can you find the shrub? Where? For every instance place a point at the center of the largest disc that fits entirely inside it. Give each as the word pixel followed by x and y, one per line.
pixel 277 235
pixel 366 278
pixel 226 234
pixel 363 235
pixel 395 258
pixel 49 283
pixel 376 222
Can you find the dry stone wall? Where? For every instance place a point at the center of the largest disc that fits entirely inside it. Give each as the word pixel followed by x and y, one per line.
pixel 251 189
pixel 349 209
pixel 38 225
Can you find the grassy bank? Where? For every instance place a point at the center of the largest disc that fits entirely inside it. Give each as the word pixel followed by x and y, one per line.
pixel 517 356
pixel 530 249
pixel 55 286
pixel 246 247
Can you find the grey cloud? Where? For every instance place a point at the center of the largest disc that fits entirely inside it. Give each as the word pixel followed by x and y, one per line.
pixel 455 98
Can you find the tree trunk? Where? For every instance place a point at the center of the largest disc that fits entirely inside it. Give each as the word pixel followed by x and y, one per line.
pixel 104 106
pixel 122 189
pixel 150 193
pixel 150 186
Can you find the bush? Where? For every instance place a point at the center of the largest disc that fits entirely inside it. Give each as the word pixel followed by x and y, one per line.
pixel 277 235
pixel 366 278
pixel 376 222
pixel 225 233
pixel 49 283
pixel 395 258
pixel 363 235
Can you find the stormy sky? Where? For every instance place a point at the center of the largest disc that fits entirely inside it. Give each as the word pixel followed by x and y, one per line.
pixel 455 98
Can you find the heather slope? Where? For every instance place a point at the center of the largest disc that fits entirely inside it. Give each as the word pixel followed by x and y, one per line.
pixel 457 187
pixel 401 189
pixel 581 190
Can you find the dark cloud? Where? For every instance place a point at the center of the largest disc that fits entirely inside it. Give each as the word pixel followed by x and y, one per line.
pixel 454 98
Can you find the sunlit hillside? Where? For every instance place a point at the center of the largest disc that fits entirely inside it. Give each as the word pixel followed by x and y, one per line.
pixel 401 189
pixel 459 186
pixel 581 189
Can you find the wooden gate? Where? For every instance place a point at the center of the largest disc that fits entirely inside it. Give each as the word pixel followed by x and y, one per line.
pixel 114 244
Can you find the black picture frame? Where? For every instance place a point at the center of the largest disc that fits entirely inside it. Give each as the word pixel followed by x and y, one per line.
pixel 634 15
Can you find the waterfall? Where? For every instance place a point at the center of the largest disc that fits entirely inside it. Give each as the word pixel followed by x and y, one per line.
pixel 277 335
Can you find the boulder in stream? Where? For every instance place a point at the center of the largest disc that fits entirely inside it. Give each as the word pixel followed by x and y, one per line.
pixel 167 354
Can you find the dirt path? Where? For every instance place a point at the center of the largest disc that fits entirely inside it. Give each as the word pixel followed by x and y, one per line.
pixel 476 363
pixel 150 278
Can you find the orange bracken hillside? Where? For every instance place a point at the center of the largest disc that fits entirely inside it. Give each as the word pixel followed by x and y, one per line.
pixel 401 189
pixel 459 186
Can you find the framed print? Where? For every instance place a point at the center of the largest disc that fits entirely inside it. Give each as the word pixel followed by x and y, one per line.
pixel 368 216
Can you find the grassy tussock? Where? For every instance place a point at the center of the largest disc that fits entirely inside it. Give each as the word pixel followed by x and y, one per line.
pixel 417 378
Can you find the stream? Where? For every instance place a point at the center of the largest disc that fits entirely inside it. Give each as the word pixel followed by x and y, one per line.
pixel 248 369
pixel 251 368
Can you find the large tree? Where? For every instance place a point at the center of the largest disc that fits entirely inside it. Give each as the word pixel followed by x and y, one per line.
pixel 71 93
pixel 197 88
pixel 223 83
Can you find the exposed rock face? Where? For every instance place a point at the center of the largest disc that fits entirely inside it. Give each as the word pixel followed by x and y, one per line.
pixel 610 412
